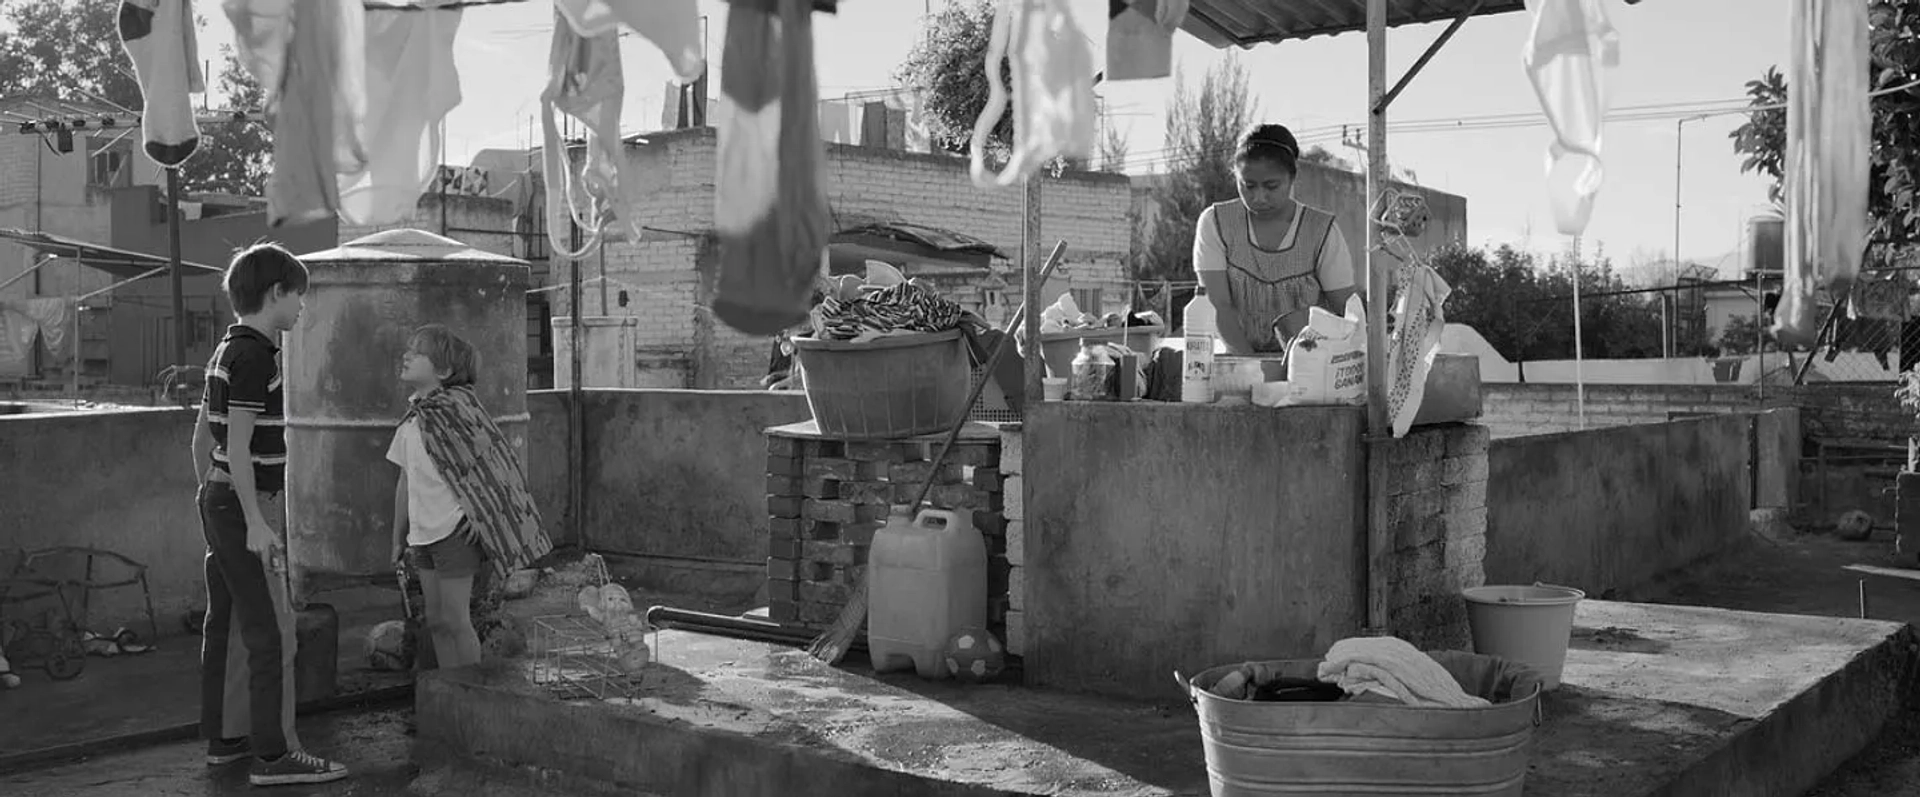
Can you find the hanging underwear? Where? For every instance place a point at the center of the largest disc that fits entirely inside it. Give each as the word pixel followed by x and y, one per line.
pixel 770 201
pixel 584 83
pixel 1570 50
pixel 1053 104
pixel 412 84
pixel 671 25
pixel 1829 144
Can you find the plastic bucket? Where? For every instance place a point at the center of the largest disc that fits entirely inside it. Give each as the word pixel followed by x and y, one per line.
pixel 1531 625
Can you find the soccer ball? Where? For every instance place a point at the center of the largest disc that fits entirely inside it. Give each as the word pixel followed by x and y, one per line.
pixel 974 656
pixel 388 648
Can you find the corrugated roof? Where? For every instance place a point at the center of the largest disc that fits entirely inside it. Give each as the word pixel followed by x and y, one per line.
pixel 1245 23
pixel 118 262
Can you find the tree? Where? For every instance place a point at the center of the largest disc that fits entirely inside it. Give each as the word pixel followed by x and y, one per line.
pixel 1203 126
pixel 70 49
pixel 1524 308
pixel 948 64
pixel 1742 335
pixel 1895 162
pixel 1112 155
pixel 66 49
pixel 234 157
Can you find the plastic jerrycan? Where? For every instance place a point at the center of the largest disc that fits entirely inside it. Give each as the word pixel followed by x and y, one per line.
pixel 927 578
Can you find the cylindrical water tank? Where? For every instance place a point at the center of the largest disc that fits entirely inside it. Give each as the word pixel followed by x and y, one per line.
pixel 1766 243
pixel 344 396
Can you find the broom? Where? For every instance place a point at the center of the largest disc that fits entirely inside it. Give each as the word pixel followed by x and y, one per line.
pixel 832 646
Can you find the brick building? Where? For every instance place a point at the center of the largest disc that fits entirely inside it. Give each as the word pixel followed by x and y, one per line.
pixel 664 279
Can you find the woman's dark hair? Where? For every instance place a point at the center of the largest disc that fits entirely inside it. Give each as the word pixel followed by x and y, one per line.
pixel 1272 143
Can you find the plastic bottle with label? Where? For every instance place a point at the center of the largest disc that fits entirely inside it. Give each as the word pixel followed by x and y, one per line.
pixel 1196 372
pixel 1093 373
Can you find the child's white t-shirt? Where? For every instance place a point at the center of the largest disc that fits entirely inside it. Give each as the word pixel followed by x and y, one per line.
pixel 433 511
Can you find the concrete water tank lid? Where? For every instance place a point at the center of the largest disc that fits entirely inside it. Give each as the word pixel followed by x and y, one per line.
pixel 409 245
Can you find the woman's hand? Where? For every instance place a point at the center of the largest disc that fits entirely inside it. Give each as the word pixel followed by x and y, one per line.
pixel 399 553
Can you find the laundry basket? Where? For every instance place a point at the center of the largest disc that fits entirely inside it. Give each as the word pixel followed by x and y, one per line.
pixel 895 386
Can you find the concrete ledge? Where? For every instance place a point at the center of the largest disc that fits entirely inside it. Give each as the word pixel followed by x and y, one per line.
pixel 1656 700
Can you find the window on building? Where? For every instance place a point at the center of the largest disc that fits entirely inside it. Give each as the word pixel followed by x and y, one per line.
pixel 109 164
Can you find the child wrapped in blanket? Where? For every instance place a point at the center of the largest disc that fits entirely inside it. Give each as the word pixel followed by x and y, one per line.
pixel 462 498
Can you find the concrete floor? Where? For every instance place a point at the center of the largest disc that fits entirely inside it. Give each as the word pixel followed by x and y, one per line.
pixel 1657 700
pixel 1805 575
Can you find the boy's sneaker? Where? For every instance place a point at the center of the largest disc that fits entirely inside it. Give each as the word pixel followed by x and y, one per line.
pixel 221 752
pixel 297 766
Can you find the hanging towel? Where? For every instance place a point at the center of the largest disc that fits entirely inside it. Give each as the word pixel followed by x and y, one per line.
pixel 770 201
pixel 1567 57
pixel 17 334
pixel 1391 667
pixel 1829 144
pixel 1053 104
pixel 671 25
pixel 585 82
pixel 161 40
pixel 412 84
pixel 311 58
pixel 1418 324
pixel 1140 46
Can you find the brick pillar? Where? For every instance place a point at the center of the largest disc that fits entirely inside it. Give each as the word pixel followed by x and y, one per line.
pixel 1437 524
pixel 1013 502
pixel 827 498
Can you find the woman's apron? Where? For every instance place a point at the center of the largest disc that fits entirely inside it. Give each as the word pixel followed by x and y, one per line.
pixel 1266 285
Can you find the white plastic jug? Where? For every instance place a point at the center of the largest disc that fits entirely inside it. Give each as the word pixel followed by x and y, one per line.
pixel 927 579
pixel 1196 373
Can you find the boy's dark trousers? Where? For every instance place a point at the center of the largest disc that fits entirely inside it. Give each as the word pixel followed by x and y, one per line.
pixel 237 587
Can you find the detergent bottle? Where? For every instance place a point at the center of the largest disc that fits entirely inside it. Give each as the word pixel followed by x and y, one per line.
pixel 927 578
pixel 1196 372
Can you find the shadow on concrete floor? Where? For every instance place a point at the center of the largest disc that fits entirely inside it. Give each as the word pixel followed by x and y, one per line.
pixel 1814 575
pixel 157 693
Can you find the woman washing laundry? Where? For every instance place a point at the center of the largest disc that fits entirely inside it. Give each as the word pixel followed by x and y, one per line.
pixel 1265 258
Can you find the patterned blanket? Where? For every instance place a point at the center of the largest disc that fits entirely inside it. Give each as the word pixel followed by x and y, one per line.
pixel 486 475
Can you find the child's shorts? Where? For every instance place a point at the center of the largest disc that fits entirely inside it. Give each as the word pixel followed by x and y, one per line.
pixel 454 556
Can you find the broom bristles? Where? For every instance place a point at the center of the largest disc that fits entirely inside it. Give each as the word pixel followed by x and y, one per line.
pixel 832 646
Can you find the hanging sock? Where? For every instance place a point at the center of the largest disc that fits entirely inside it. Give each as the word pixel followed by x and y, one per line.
pixel 671 25
pixel 412 84
pixel 585 83
pixel 770 201
pixel 1567 56
pixel 1829 146
pixel 1415 344
pixel 1139 45
pixel 1053 107
pixel 159 37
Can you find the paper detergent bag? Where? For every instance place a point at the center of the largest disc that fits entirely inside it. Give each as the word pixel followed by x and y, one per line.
pixel 1327 361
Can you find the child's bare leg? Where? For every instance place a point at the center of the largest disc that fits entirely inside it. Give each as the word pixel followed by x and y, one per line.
pixel 437 622
pixel 463 644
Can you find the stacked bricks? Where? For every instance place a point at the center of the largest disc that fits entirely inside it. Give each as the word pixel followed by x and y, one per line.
pixel 1014 501
pixel 826 498
pixel 1437 524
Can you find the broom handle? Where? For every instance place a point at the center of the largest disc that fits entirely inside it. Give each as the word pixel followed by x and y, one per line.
pixel 999 351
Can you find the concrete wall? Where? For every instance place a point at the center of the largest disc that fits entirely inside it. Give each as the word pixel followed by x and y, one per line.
pixel 119 480
pixel 668 473
pixel 1608 510
pixel 1163 536
pixel 1867 412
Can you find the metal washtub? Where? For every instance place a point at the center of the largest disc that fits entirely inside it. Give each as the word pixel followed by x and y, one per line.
pixel 1347 748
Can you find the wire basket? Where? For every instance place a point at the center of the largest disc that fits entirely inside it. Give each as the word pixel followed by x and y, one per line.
pixel 576 657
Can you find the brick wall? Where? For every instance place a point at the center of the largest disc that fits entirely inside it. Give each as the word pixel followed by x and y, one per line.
pixel 668 273
pixel 1828 410
pixel 1437 522
pixel 827 498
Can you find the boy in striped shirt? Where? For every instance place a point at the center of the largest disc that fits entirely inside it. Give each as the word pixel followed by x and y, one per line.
pixel 240 443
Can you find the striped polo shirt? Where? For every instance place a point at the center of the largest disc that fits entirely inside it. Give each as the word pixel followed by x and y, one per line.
pixel 244 374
